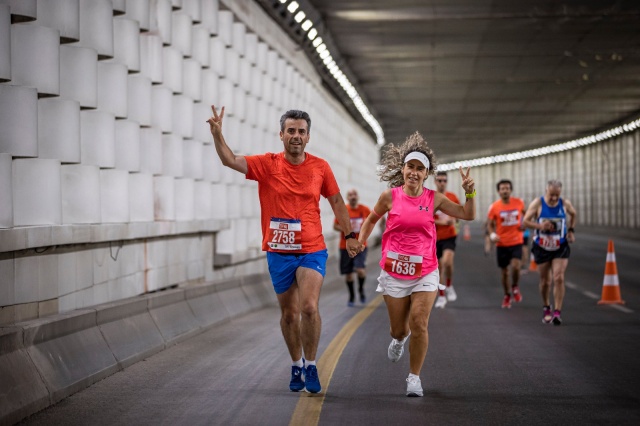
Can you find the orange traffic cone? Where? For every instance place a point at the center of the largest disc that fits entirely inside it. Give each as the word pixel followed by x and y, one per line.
pixel 610 284
pixel 466 233
pixel 533 266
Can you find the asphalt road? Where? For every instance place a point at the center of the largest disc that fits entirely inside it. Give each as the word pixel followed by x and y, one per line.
pixel 485 365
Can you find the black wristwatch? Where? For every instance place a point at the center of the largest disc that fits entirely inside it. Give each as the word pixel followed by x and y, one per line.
pixel 350 235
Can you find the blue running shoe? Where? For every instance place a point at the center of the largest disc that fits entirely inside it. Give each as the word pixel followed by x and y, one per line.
pixel 312 382
pixel 297 378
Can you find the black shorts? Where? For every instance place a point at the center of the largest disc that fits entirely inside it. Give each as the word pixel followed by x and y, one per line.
pixel 541 255
pixel 348 264
pixel 505 254
pixel 525 241
pixel 447 243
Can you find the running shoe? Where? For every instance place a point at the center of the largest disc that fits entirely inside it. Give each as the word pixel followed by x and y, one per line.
pixel 546 315
pixel 363 299
pixel 414 386
pixel 451 294
pixel 441 302
pixel 506 302
pixel 396 348
pixel 351 304
pixel 312 381
pixel 297 378
pixel 516 294
pixel 556 318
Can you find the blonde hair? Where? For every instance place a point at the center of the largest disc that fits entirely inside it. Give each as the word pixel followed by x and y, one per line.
pixel 393 159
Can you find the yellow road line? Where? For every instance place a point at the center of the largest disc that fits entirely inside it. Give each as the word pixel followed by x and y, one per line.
pixel 309 405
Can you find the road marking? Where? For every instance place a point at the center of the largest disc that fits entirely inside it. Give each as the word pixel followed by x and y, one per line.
pixel 309 405
pixel 592 295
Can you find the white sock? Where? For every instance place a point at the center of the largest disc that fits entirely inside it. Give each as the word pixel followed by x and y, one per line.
pixel 311 362
pixel 298 363
pixel 411 375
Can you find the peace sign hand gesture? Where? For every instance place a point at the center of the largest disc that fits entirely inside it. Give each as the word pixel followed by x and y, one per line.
pixel 215 122
pixel 467 181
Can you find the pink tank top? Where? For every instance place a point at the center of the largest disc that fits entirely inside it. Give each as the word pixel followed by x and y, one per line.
pixel 409 240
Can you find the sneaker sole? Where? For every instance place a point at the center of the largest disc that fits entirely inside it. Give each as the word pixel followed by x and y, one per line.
pixel 414 394
pixel 308 391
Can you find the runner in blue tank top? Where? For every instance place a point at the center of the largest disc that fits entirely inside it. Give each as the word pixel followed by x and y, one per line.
pixel 553 219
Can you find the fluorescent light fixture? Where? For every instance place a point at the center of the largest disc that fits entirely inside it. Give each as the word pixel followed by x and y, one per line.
pixel 306 25
pixel 321 48
pixel 545 150
pixel 283 1
pixel 317 42
pixel 293 6
pixel 312 33
pixel 300 16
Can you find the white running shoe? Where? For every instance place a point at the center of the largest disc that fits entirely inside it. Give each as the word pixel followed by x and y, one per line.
pixel 441 302
pixel 396 348
pixel 414 386
pixel 451 294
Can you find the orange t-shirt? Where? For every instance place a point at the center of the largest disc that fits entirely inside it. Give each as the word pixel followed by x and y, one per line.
pixel 357 217
pixel 446 231
pixel 508 218
pixel 290 201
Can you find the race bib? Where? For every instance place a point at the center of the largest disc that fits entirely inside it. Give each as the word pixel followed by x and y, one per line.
pixel 510 218
pixel 356 224
pixel 549 242
pixel 403 264
pixel 285 234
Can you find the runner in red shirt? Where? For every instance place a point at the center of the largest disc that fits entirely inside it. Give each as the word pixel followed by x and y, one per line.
pixel 290 184
pixel 505 229
pixel 357 214
pixel 446 235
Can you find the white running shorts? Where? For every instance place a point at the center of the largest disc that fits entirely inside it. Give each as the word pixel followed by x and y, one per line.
pixel 398 288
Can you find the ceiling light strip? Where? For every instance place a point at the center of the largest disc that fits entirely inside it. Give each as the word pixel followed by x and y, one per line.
pixel 330 64
pixel 551 149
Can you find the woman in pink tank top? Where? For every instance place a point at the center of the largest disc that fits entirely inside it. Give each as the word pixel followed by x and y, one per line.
pixel 409 277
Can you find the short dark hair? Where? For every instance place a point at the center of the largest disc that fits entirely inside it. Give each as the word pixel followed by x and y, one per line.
pixel 441 173
pixel 295 114
pixel 501 181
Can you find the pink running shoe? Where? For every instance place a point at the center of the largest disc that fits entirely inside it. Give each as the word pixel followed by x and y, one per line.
pixel 516 294
pixel 546 315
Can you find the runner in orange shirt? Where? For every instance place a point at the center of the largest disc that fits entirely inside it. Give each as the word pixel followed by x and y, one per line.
pixel 357 214
pixel 446 235
pixel 290 184
pixel 505 227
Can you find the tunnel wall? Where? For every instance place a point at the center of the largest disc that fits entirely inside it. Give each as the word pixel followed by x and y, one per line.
pixel 110 186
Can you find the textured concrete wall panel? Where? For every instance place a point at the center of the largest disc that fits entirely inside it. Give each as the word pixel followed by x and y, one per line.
pixel 97 138
pixel 126 43
pixel 151 64
pixel 96 26
pixel 139 99
pixel 36 192
pixel 18 118
pixel 59 129
pixel 61 15
pixel 35 58
pixel 127 145
pixel 80 187
pixel 79 75
pixel 6 206
pixel 112 88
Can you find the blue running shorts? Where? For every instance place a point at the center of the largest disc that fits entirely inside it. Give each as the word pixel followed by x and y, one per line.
pixel 283 266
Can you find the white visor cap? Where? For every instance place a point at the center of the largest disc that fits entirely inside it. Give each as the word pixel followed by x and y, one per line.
pixel 415 155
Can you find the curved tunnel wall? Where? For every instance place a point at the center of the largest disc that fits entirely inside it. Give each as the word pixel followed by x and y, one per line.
pixel 601 180
pixel 110 185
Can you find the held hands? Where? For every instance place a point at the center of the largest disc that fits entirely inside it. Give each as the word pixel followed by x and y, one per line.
pixel 215 122
pixel 354 247
pixel 467 181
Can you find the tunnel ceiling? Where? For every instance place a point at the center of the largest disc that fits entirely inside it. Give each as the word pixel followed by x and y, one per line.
pixel 479 77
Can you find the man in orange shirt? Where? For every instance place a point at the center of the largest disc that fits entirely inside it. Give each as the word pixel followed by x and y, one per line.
pixel 505 226
pixel 290 184
pixel 446 236
pixel 357 214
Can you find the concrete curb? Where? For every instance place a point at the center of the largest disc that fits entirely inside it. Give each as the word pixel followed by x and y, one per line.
pixel 45 360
